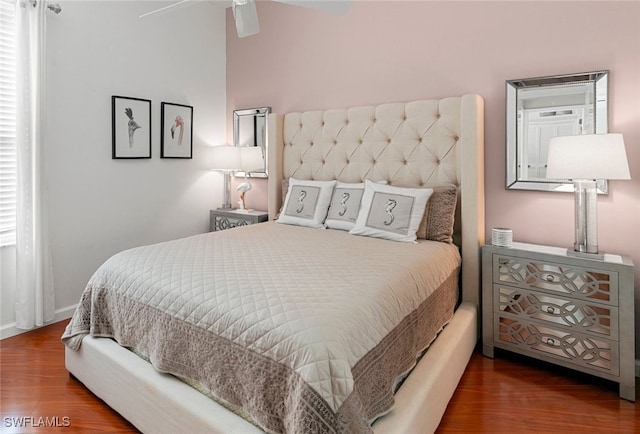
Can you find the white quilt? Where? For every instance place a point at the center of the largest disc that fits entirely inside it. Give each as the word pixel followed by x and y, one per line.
pixel 300 313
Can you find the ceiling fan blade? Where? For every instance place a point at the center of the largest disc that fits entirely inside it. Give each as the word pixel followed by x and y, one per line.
pixel 170 8
pixel 246 17
pixel 332 6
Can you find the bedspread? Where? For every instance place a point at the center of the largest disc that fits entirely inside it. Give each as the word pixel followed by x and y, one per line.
pixel 304 329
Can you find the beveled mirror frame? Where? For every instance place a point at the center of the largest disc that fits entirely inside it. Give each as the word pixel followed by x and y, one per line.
pixel 250 129
pixel 551 96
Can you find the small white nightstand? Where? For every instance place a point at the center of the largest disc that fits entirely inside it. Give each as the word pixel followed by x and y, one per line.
pixel 574 312
pixel 221 219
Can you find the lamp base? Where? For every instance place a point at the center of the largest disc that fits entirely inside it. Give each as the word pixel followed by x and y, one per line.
pixel 227 191
pixel 584 255
pixel 586 225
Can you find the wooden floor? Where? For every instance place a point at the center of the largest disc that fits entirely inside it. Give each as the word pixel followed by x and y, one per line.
pixel 508 394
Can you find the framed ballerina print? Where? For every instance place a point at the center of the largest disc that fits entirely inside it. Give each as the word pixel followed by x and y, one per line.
pixel 130 127
pixel 176 130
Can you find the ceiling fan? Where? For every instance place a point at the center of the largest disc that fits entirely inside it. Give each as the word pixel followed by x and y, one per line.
pixel 245 14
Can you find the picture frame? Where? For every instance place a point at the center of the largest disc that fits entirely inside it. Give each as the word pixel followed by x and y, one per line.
pixel 130 127
pixel 176 130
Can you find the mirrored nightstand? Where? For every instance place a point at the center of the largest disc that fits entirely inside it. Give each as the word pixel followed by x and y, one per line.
pixel 574 312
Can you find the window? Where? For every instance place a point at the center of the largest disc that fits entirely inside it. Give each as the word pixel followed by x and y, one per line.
pixel 8 169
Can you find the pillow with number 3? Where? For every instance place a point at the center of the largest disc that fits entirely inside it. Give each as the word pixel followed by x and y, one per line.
pixel 392 213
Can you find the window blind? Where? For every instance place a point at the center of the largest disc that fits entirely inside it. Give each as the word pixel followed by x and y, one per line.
pixel 8 169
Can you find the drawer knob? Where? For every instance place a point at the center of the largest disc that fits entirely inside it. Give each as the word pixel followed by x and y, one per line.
pixel 550 309
pixel 549 278
pixel 550 341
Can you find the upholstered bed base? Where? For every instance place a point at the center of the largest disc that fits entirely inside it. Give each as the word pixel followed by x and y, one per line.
pixel 168 405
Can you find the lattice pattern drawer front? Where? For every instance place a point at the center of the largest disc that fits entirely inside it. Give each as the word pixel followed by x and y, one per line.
pixel 568 280
pixel 581 316
pixel 223 223
pixel 227 219
pixel 574 348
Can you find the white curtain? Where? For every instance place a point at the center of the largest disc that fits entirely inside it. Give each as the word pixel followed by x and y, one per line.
pixel 34 297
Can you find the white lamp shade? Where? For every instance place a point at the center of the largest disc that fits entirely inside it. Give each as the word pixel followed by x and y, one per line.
pixel 587 156
pixel 251 159
pixel 226 158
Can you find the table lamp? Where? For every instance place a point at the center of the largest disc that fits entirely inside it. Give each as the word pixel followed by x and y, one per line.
pixel 226 159
pixel 583 159
pixel 251 159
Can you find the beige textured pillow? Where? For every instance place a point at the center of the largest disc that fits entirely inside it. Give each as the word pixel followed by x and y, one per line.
pixel 439 216
pixel 285 189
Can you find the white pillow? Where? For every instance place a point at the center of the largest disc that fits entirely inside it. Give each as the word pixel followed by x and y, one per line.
pixel 345 204
pixel 392 213
pixel 307 203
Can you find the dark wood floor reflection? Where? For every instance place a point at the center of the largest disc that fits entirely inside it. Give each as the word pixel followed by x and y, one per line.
pixel 516 394
pixel 509 394
pixel 36 384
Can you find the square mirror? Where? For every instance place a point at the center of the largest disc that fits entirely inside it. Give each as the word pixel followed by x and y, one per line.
pixel 540 108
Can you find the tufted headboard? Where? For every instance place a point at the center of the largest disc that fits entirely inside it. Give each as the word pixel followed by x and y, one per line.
pixel 416 144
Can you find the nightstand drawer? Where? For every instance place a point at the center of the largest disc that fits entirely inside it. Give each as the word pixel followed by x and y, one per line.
pixel 580 316
pixel 582 351
pixel 587 284
pixel 221 219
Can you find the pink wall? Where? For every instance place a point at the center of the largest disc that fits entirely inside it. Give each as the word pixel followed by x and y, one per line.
pixel 387 51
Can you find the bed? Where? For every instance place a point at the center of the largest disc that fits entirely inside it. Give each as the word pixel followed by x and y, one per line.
pixel 325 331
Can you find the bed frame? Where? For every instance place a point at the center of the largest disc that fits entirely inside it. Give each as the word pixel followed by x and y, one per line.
pixel 298 144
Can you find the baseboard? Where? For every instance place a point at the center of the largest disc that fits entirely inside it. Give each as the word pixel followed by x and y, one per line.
pixel 8 330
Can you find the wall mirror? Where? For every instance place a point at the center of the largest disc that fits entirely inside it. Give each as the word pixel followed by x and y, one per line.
pixel 544 107
pixel 250 129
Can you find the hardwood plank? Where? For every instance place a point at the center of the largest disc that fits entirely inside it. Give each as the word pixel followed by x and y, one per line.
pixel 513 394
pixel 508 394
pixel 34 383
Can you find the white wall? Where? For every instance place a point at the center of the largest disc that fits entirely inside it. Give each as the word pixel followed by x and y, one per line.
pixel 99 206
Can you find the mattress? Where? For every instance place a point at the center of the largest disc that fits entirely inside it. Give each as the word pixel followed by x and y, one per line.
pixel 302 329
